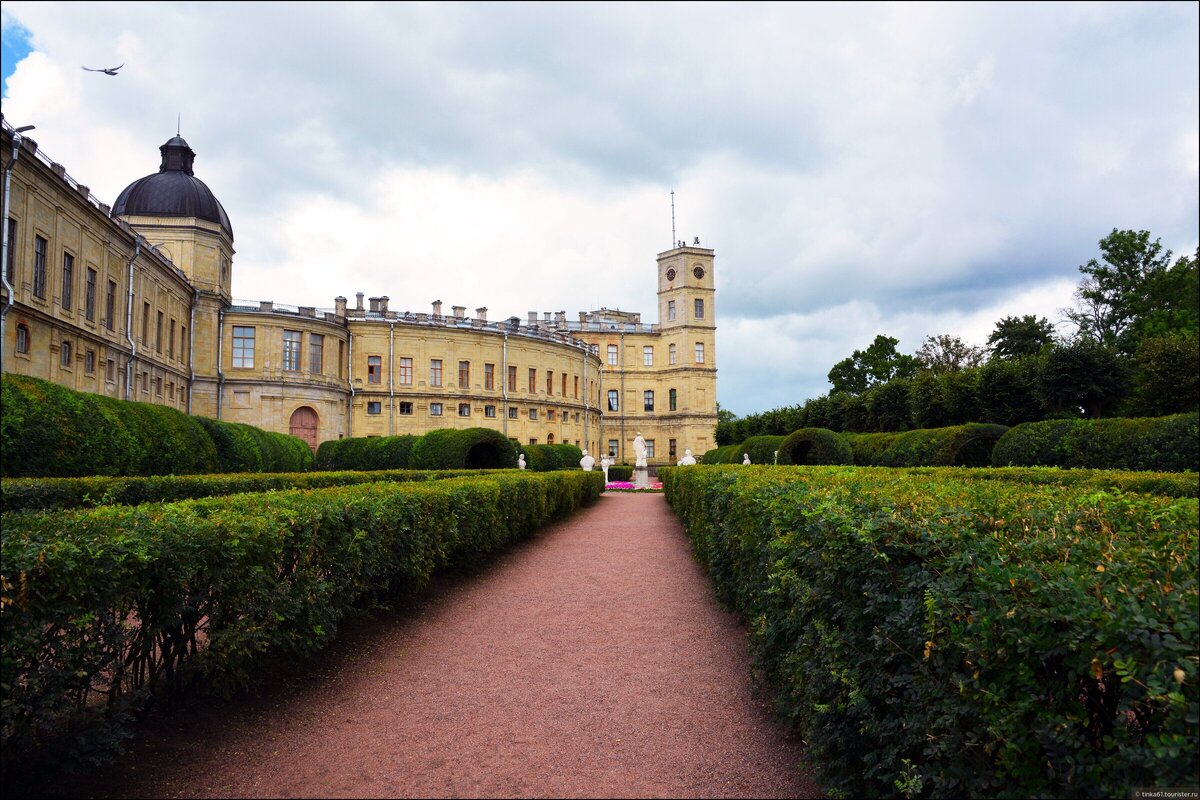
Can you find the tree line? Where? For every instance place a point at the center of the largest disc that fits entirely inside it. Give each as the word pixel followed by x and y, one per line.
pixel 1133 352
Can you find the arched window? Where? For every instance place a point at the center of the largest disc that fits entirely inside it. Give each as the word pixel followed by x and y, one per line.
pixel 550 439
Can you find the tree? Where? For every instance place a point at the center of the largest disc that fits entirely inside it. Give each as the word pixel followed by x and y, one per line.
pixel 1083 375
pixel 1166 379
pixel 1134 291
pixel 946 353
pixel 879 363
pixel 1017 337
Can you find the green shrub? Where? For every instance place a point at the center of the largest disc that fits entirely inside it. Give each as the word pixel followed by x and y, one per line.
pixel 726 454
pixel 98 620
pixel 471 448
pixel 761 449
pixel 366 453
pixel 620 472
pixel 1168 444
pixel 245 448
pixel 868 447
pixel 1166 375
pixel 547 457
pixel 983 638
pixel 814 446
pixel 957 446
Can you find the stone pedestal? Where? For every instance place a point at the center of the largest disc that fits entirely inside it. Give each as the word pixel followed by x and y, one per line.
pixel 641 478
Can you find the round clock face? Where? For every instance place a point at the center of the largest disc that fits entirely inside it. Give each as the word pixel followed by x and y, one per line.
pixel 698 272
pixel 671 274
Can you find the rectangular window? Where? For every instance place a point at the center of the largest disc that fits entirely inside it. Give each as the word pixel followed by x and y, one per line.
pixel 512 379
pixel 65 352
pixel 316 353
pixel 549 382
pixel 671 447
pixel 532 380
pixel 406 408
pixel 699 313
pixel 647 356
pixel 10 259
pixel 612 355
pixel 489 376
pixel 576 387
pixel 671 354
pixel 291 350
pixel 374 369
pixel 183 344
pixel 649 448
pixel 341 357
pixel 89 296
pixel 613 401
pixel 68 280
pixel 464 374
pixel 512 412
pixel 699 352
pixel 564 384
pixel 110 370
pixel 464 409
pixel 533 413
pixel 171 341
pixel 146 322
pixel 489 411
pixel 550 414
pixel 158 386
pixel 648 400
pixel 158 333
pixel 612 448
pixel 435 409
pixel 243 346
pixel 670 309
pixel 406 371
pixel 374 407
pixel 39 267
pixel 435 372
pixel 672 397
pixel 110 306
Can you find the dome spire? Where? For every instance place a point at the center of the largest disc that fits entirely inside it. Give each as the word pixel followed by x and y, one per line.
pixel 176 156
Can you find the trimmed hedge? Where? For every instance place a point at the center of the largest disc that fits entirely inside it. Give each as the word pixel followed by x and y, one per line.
pixel 366 453
pixel 726 454
pixel 868 447
pixel 814 446
pixel 761 449
pixel 470 448
pixel 547 457
pixel 42 494
pixel 937 637
pixel 620 472
pixel 1167 484
pixel 957 446
pixel 107 608
pixel 1168 444
pixel 47 430
pixel 245 448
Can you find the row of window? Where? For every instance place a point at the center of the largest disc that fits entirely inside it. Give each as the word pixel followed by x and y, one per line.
pixel 404 375
pixel 614 400
pixel 672 448
pixel 648 355
pixel 243 349
pixel 67 296
pixel 405 408
pixel 697 309
pixel 160 322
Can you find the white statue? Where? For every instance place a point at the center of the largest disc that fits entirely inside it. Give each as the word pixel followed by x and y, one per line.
pixel 745 459
pixel 521 461
pixel 688 459
pixel 606 461
pixel 639 450
pixel 776 456
pixel 587 462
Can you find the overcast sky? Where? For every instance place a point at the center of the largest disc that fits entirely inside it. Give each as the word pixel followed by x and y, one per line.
pixel 858 169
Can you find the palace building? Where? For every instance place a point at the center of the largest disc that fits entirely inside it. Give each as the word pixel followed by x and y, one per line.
pixel 134 301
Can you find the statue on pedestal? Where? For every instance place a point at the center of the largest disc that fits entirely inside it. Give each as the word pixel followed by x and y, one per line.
pixel 639 450
pixel 606 461
pixel 587 462
pixel 688 459
pixel 745 459
pixel 521 461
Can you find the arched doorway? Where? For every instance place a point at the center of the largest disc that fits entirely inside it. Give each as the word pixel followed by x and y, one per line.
pixel 550 439
pixel 304 426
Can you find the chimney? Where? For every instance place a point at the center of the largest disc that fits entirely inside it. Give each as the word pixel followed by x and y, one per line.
pixel 460 312
pixel 383 301
pixel 359 295
pixel 437 308
pixel 532 318
pixel 481 314
pixel 560 319
pixel 546 317
pixel 339 306
pixel 514 324
pixel 374 301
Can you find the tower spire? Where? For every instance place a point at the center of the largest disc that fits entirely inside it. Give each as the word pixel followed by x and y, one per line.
pixel 178 117
pixel 674 241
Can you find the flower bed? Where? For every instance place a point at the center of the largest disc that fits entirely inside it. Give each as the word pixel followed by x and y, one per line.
pixel 627 486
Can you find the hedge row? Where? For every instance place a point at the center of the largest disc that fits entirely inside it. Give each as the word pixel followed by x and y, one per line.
pixel 940 637
pixel 1167 484
pixel 107 608
pixel 936 637
pixel 547 457
pixel 47 430
pixel 957 446
pixel 620 472
pixel 41 494
pixel 1152 443
pixel 365 453
pixel 814 446
pixel 727 454
pixel 445 448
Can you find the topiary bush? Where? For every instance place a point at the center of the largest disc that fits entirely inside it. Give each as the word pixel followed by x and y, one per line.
pixel 1169 444
pixel 815 446
pixel 956 446
pixel 723 455
pixel 761 449
pixel 868 447
pixel 245 448
pixel 471 448
pixel 620 472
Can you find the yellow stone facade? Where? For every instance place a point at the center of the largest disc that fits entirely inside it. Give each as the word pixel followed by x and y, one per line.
pixel 140 307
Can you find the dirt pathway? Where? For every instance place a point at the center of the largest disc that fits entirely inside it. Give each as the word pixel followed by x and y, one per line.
pixel 592 661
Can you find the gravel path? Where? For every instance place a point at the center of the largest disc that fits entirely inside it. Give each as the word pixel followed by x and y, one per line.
pixel 591 661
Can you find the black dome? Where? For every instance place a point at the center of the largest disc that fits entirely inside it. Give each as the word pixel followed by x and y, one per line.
pixel 173 191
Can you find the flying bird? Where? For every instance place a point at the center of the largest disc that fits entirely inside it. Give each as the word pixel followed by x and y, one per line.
pixel 109 71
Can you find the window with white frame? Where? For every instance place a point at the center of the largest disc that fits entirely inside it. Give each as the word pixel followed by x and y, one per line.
pixel 406 371
pixel 406 407
pixel 699 352
pixel 435 372
pixel 374 407
pixel 316 353
pixel 670 309
pixel 612 355
pixel 464 409
pixel 612 448
pixel 435 409
pixel 671 356
pixel 613 400
pixel 648 400
pixel 291 350
pixel 489 411
pixel 243 346
pixel 647 356
pixel 699 310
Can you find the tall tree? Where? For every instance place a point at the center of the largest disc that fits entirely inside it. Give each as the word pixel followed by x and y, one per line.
pixel 947 353
pixel 1016 337
pixel 879 363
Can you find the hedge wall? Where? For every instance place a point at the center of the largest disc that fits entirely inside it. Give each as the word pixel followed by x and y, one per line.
pixel 366 453
pixel 1167 444
pixel 936 637
pixel 868 447
pixel 814 446
pixel 547 457
pixel 726 454
pixel 957 446
pixel 98 621
pixel 761 448
pixel 471 448
pixel 47 430
pixel 620 472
